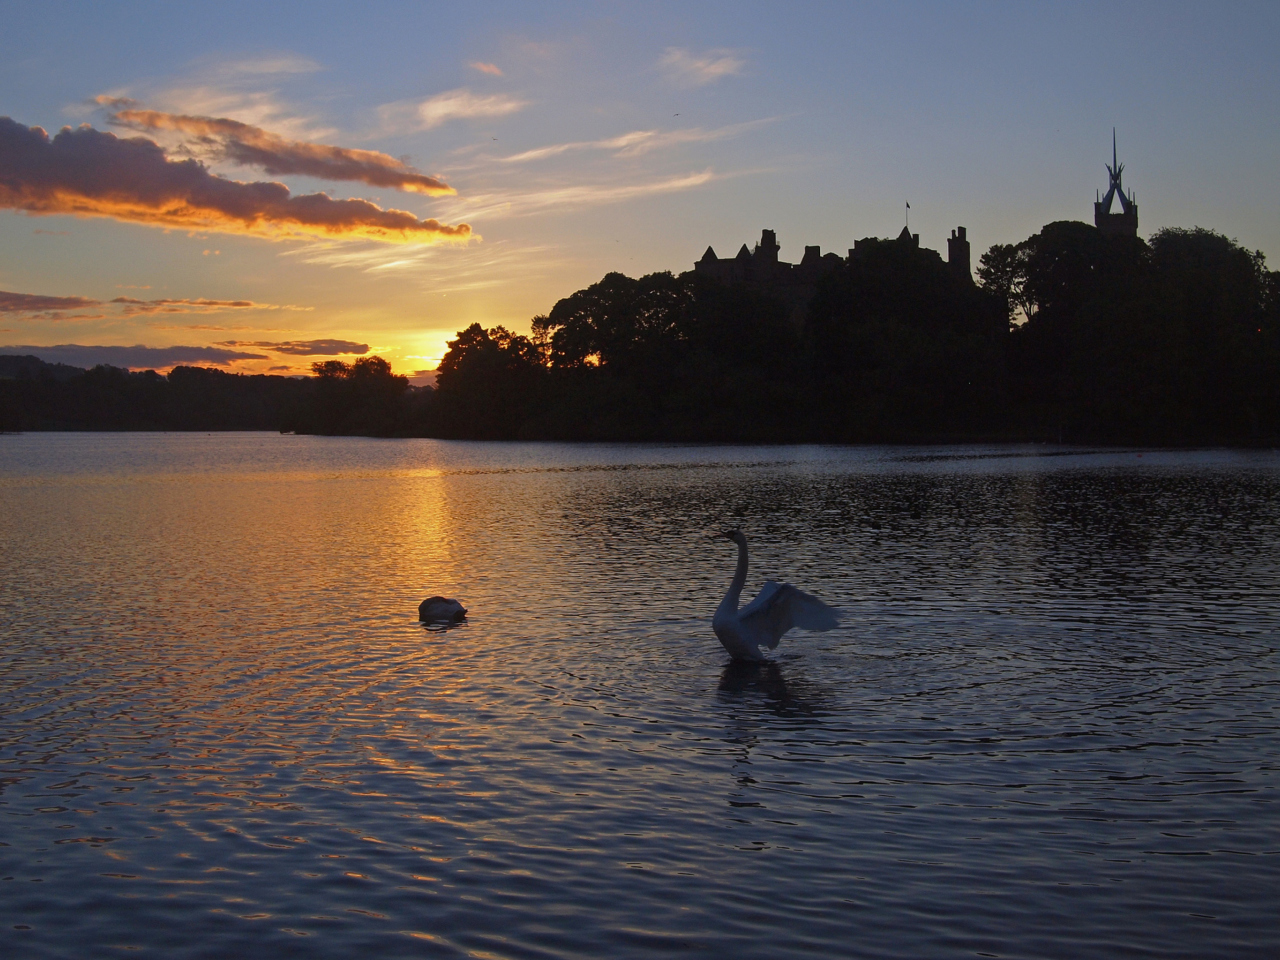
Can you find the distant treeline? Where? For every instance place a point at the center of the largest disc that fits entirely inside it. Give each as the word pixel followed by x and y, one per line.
pixel 54 396
pixel 362 398
pixel 1068 336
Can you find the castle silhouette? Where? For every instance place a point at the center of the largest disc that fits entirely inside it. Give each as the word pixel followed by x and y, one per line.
pixel 796 283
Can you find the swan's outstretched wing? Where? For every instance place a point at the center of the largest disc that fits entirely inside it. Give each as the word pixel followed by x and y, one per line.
pixel 778 608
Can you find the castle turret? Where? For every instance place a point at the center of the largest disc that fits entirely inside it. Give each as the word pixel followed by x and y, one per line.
pixel 767 249
pixel 958 254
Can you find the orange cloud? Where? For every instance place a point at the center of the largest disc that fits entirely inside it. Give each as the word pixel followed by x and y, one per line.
pixel 490 68
pixel 89 173
pixel 254 147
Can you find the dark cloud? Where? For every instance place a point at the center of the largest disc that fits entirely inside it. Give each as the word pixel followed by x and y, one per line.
pixel 28 302
pixel 86 172
pixel 133 307
pixel 304 348
pixel 254 147
pixel 41 307
pixel 134 358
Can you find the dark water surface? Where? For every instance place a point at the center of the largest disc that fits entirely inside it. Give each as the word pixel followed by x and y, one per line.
pixel 1049 727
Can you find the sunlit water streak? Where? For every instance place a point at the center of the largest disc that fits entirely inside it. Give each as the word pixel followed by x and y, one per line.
pixel 1048 728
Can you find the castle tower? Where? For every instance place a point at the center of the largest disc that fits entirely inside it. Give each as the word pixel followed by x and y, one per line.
pixel 767 249
pixel 958 257
pixel 1124 223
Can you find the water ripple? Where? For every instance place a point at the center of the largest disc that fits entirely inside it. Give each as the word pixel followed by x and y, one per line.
pixel 1048 727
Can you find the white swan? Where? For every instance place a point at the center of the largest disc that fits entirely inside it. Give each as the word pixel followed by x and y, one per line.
pixel 763 621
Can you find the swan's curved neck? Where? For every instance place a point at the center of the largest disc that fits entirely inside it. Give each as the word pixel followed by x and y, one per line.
pixel 739 578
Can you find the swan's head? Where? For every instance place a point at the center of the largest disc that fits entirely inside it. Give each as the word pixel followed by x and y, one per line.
pixel 735 535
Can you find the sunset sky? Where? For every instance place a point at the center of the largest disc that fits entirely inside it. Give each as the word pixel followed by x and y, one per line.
pixel 263 185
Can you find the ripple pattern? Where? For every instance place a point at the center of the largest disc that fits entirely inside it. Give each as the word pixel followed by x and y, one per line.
pixel 1049 726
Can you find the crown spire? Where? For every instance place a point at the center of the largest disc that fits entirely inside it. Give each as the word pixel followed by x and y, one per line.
pixel 1126 221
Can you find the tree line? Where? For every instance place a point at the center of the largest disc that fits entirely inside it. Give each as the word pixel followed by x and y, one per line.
pixel 359 398
pixel 1068 336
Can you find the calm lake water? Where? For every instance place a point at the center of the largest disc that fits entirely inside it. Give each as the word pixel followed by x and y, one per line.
pixel 1048 727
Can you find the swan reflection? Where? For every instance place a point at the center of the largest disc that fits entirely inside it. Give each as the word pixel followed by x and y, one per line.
pixel 765 680
pixel 441 626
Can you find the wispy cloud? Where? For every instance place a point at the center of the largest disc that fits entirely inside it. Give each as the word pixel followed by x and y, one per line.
pixel 519 203
pixel 490 68
pixel 461 104
pixel 252 146
pixel 284 63
pixel 475 268
pixel 639 142
pixel 215 327
pixel 695 70
pixel 89 173
pixel 303 348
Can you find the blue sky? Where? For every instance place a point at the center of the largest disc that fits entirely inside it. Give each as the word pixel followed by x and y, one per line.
pixel 587 137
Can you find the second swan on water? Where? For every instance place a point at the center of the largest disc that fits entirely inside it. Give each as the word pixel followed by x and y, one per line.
pixel 762 622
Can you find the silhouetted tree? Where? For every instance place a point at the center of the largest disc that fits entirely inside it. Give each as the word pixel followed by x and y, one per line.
pixel 488 385
pixel 361 398
pixel 1125 341
pixel 58 397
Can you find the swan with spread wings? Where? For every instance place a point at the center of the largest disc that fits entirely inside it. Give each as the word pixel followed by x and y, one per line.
pixel 762 622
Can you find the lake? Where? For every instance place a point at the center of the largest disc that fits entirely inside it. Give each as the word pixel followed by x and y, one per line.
pixel 1048 726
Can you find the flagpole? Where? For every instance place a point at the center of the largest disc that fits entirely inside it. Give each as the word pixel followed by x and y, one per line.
pixel 908 214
